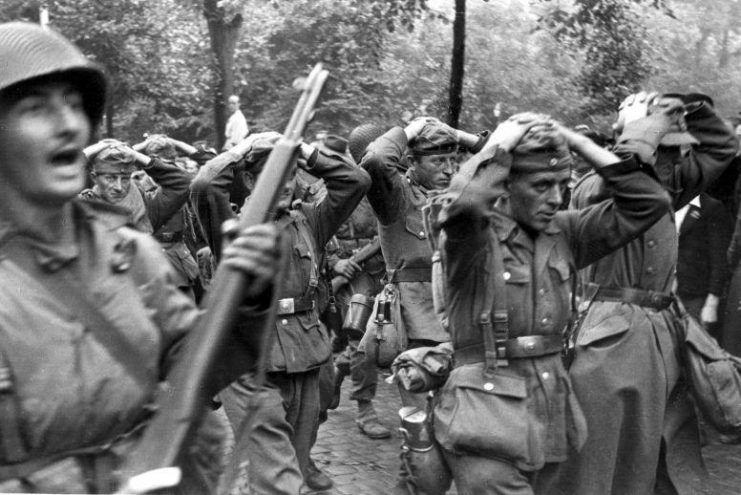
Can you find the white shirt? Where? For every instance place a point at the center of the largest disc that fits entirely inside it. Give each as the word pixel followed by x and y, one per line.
pixel 236 129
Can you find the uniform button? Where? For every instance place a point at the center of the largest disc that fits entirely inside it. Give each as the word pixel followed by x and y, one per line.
pixel 546 375
pixel 506 275
pixel 422 234
pixel 284 322
pixel 651 243
pixel 650 270
pixel 541 292
pixel 545 321
pixel 488 386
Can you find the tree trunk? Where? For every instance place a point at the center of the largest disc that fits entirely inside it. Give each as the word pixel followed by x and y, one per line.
pixel 723 58
pixel 109 120
pixel 457 64
pixel 223 34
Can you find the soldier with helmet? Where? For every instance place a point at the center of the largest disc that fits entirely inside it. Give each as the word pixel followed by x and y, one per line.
pixel 90 320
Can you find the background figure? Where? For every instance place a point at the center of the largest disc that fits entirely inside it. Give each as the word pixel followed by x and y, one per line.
pixel 277 438
pixel 704 228
pixel 357 232
pixel 236 126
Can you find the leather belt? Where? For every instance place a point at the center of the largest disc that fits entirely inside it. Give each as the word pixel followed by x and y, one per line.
pixel 412 275
pixel 528 346
pixel 169 236
pixel 293 305
pixel 646 298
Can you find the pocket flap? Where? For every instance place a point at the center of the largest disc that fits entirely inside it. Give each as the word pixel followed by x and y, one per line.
pixel 703 343
pixel 499 383
pixel 612 325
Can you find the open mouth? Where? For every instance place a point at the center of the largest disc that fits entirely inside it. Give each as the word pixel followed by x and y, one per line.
pixel 67 157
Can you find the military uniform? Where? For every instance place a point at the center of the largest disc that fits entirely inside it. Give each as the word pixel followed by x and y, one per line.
pixel 538 419
pixel 75 396
pixel 642 428
pixel 286 418
pixel 357 232
pixel 151 210
pixel 397 201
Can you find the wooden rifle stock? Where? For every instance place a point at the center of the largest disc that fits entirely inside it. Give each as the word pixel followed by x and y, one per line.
pixel 364 254
pixel 180 410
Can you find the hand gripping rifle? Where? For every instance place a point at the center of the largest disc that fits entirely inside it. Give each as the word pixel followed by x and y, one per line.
pixel 152 465
pixel 364 254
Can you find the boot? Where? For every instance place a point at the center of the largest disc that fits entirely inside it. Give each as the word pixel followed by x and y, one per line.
pixel 340 372
pixel 316 479
pixel 368 421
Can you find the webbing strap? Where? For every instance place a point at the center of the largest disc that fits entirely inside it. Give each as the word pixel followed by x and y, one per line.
pixel 70 291
pixel 12 447
pixel 496 329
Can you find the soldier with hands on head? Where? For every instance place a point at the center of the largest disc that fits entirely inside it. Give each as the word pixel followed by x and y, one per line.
pixel 90 321
pixel 643 432
pixel 285 421
pixel 510 256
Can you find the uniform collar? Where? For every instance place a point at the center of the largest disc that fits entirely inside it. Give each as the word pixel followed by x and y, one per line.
pixel 507 228
pixel 53 257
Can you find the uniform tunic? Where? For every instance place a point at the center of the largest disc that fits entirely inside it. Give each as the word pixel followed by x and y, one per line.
pixel 539 274
pixel 73 391
pixel 626 373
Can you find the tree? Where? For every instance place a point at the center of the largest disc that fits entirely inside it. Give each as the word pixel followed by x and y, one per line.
pixel 457 64
pixel 611 39
pixel 224 19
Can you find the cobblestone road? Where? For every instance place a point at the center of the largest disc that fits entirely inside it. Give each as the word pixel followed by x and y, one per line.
pixel 360 466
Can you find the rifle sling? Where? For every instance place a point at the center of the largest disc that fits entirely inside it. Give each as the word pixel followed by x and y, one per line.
pixel 67 289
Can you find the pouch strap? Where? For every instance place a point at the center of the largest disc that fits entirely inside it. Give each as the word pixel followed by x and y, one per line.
pixel 70 291
pixel 496 332
pixel 12 447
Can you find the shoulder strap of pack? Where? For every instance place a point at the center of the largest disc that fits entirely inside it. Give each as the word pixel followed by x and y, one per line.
pixel 494 322
pixel 305 233
pixel 12 447
pixel 73 294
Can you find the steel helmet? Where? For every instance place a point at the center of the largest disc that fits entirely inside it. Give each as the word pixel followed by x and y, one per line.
pixel 28 51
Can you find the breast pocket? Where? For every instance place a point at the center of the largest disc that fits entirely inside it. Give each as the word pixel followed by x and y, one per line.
pixel 413 224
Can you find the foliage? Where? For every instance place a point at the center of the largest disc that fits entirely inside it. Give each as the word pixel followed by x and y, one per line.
pixel 390 60
pixel 610 36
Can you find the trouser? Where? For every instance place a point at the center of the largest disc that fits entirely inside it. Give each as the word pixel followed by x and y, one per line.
pixel 363 370
pixel 731 331
pixel 634 400
pixel 283 420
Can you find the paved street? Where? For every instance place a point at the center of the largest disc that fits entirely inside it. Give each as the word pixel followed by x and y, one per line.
pixel 360 466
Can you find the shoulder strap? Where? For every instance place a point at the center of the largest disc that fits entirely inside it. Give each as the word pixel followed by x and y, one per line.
pixel 494 323
pixel 73 294
pixel 12 446
pixel 304 232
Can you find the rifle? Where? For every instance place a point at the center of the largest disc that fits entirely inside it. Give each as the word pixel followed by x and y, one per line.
pixel 152 465
pixel 361 256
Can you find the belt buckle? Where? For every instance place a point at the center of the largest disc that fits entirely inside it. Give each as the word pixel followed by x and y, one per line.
pixel 286 306
pixel 528 343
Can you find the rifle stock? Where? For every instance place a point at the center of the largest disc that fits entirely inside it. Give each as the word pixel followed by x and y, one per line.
pixel 364 254
pixel 179 411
